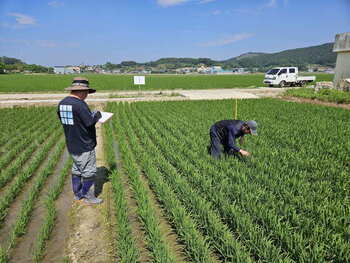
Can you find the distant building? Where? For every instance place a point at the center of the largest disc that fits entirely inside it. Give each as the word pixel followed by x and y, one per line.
pixel 238 70
pixel 66 70
pixel 215 69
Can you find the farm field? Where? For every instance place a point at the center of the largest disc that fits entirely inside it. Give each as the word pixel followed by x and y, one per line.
pixel 170 202
pixel 288 203
pixel 57 83
pixel 33 170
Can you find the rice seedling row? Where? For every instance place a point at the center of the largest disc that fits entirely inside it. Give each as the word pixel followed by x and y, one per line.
pixel 19 227
pixel 287 203
pixel 157 245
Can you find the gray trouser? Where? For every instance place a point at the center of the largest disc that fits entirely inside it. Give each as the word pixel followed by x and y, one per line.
pixel 84 164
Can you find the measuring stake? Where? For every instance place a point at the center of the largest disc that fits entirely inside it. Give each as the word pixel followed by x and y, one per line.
pixel 236 110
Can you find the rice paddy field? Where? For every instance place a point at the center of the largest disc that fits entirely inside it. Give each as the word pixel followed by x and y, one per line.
pixel 170 201
pixel 57 83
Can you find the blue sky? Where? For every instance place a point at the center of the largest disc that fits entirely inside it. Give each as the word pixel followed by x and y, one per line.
pixel 66 32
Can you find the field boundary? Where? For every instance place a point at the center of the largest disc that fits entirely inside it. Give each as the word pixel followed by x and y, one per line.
pixel 45 99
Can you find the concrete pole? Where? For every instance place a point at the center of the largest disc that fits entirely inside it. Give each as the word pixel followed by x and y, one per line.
pixel 342 68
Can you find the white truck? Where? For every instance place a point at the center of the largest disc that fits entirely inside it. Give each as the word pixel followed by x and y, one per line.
pixel 286 76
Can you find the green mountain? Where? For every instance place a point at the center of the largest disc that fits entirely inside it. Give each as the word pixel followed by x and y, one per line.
pixel 248 55
pixel 321 55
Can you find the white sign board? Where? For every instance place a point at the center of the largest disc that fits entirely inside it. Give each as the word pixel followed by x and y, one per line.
pixel 139 80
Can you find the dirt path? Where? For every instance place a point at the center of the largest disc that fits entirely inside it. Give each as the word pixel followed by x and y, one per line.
pixel 30 99
pixel 90 238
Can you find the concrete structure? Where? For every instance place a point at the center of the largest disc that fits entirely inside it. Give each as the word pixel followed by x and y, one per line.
pixel 342 68
pixel 66 70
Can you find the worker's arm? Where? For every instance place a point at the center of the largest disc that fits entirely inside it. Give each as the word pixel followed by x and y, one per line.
pixel 231 142
pixel 89 118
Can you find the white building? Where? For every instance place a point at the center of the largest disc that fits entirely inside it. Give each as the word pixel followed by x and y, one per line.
pixel 66 70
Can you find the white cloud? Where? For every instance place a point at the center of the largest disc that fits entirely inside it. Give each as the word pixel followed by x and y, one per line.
pixel 22 19
pixel 56 4
pixel 216 12
pixel 227 40
pixel 166 3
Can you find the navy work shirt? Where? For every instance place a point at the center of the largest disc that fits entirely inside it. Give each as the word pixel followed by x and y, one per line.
pixel 228 131
pixel 79 124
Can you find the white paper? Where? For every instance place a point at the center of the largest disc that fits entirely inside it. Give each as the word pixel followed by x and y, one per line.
pixel 105 116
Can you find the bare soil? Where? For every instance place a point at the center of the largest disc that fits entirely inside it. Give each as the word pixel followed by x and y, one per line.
pixel 42 99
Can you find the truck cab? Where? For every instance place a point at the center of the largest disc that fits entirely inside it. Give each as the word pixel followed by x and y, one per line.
pixel 286 76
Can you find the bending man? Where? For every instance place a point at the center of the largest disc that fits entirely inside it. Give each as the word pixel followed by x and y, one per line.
pixel 223 134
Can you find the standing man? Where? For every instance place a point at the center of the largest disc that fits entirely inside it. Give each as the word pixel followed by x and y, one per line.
pixel 224 134
pixel 79 128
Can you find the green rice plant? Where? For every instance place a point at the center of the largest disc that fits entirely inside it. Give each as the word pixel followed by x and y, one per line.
pixel 155 241
pixel 218 234
pixel 20 225
pixel 18 182
pixel 196 247
pixel 22 123
pixel 328 95
pixel 51 213
pixel 57 83
pixel 272 253
pixel 235 191
pixel 126 246
pixel 22 157
pixel 287 202
pixel 16 146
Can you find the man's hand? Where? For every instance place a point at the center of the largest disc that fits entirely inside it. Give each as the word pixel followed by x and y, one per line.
pixel 244 153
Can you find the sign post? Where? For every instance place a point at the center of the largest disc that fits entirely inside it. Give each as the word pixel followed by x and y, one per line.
pixel 139 80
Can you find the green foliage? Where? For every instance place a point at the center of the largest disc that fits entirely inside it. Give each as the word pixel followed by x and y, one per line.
pixel 330 95
pixel 286 203
pixel 57 83
pixel 11 64
pixel 10 61
pixel 51 212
